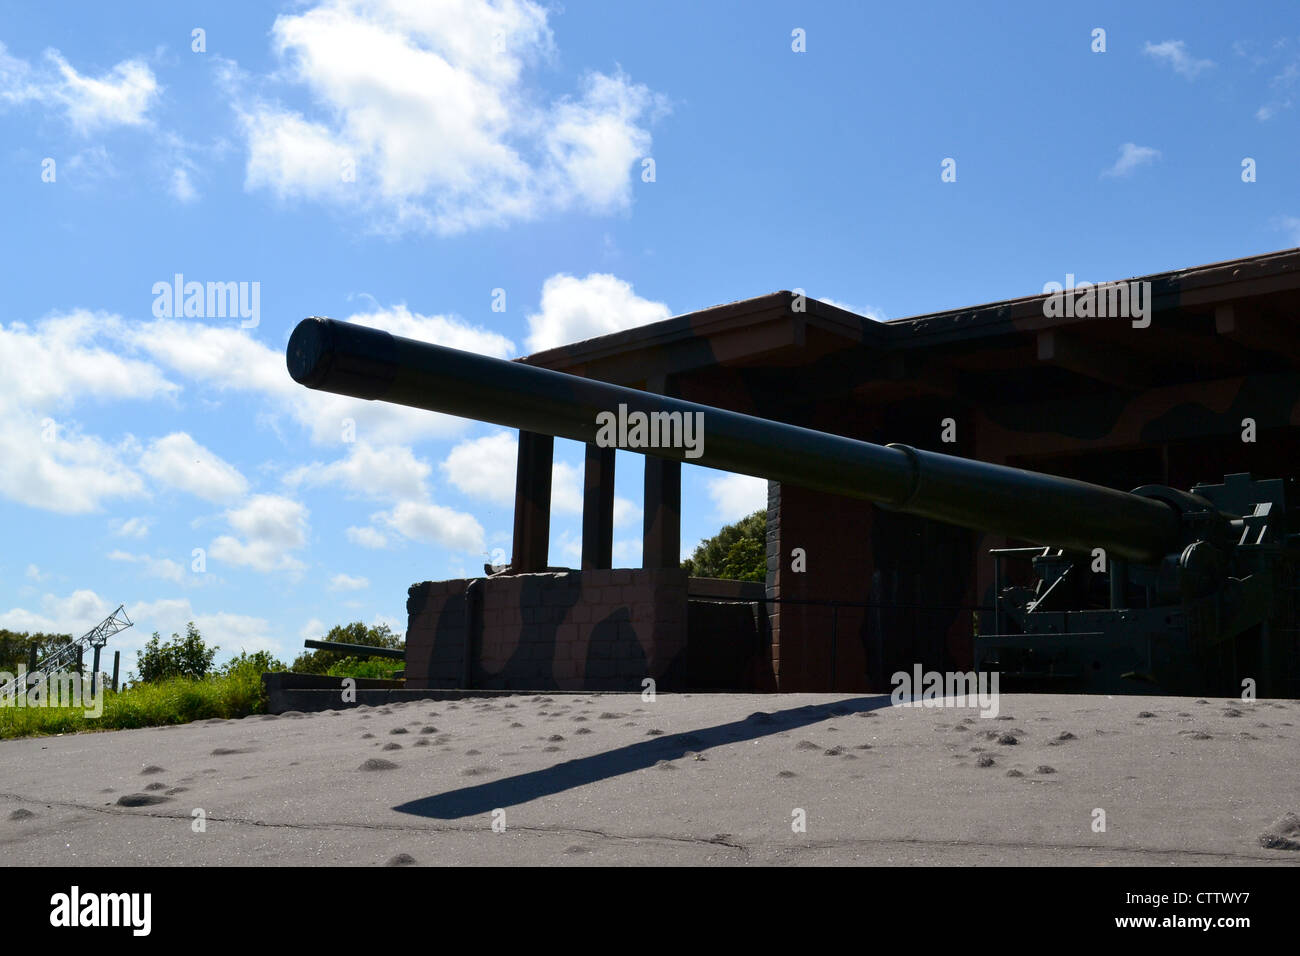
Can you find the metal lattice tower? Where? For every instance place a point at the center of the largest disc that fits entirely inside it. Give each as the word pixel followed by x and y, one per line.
pixel 62 658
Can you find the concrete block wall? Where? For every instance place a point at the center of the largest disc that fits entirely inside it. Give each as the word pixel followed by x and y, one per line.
pixel 574 630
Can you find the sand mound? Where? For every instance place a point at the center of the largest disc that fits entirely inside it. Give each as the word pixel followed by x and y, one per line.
pixel 141 799
pixel 1284 834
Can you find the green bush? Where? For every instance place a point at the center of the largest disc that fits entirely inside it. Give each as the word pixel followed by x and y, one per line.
pixel 378 668
pixel 174 700
pixel 323 662
pixel 184 656
pixel 737 552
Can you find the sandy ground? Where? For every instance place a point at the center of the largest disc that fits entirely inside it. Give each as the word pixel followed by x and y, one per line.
pixel 685 779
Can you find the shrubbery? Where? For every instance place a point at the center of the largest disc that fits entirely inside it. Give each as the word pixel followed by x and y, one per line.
pixel 737 552
pixel 184 656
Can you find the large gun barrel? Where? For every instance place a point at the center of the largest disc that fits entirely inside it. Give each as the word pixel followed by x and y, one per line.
pixel 368 363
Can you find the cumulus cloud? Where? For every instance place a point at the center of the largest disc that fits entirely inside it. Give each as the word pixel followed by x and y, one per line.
pixel 423 118
pixel 231 632
pixel 736 496
pixel 74 614
pixel 228 358
pixel 1173 53
pixel 484 468
pixel 122 96
pixel 367 537
pixel 271 526
pixel 390 472
pixel 129 527
pixel 434 524
pixel 346 582
pixel 49 462
pixel 1131 157
pixel 178 461
pixel 574 309
pixel 164 568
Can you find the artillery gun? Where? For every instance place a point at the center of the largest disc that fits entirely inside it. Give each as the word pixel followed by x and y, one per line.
pixel 1201 586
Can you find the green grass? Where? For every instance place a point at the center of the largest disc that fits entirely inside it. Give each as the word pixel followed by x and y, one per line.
pixel 175 701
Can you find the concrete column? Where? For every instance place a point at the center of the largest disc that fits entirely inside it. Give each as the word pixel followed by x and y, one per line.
pixel 598 509
pixel 661 540
pixel 532 502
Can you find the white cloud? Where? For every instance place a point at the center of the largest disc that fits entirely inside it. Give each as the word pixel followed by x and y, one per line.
pixel 626 512
pixel 272 526
pixel 438 329
pixel 1174 53
pixel 34 363
pixel 1131 156
pixel 71 474
pixel 484 468
pixel 313 630
pixel 425 521
pixel 155 567
pixel 390 472
pixel 50 463
pixel 74 614
pixel 367 537
pixel 627 552
pixel 231 632
pixel 426 103
pixel 229 358
pixel 1292 225
pixel 130 527
pixel 566 488
pixel 574 309
pixel 34 573
pixel 736 496
pixel 346 582
pixel 178 461
pixel 182 187
pixel 121 97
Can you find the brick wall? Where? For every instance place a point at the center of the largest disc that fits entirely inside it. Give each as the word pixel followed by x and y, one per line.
pixel 575 630
pixel 835 534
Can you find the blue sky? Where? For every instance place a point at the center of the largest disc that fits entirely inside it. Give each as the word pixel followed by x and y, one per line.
pixel 395 163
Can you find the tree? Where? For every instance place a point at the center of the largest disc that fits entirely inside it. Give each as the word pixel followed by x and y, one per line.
pixel 320 662
pixel 738 552
pixel 184 656
pixel 15 646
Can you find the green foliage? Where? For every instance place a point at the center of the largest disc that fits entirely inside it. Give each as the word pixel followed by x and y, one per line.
pixel 738 552
pixel 257 663
pixel 379 668
pixel 323 662
pixel 15 646
pixel 175 700
pixel 184 656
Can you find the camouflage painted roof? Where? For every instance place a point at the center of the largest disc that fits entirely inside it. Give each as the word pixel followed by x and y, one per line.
pixel 1216 312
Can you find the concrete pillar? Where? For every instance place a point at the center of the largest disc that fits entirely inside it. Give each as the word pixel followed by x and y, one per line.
pixel 661 540
pixel 532 502
pixel 598 509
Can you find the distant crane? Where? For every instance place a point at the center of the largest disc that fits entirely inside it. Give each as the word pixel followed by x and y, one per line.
pixel 66 655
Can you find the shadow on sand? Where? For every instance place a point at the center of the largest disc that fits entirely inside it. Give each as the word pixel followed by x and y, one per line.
pixel 511 791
